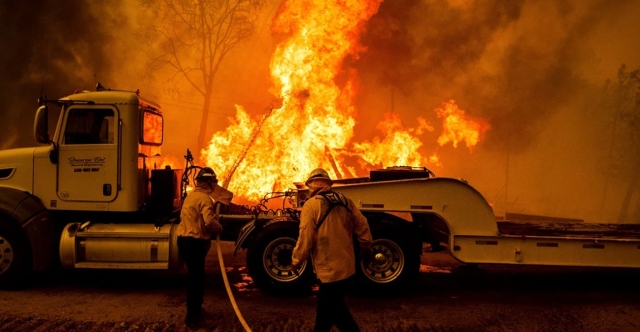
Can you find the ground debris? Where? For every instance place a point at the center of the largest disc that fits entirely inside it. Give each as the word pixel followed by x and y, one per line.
pixel 38 324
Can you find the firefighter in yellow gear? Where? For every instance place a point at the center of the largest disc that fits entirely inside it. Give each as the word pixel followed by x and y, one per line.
pixel 198 224
pixel 328 223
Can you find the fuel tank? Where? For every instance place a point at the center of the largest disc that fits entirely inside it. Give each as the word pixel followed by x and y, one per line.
pixel 119 246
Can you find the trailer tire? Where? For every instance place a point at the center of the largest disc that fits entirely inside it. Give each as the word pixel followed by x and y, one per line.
pixel 16 264
pixel 269 261
pixel 394 263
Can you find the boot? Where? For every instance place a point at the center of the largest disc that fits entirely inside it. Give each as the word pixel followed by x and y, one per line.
pixel 193 317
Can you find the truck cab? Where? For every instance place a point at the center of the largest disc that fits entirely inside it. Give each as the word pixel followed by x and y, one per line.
pixel 88 186
pixel 98 152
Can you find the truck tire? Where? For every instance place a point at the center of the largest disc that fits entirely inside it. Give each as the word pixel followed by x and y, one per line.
pixel 15 256
pixel 394 263
pixel 269 261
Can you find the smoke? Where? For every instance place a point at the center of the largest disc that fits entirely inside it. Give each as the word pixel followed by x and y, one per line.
pixel 533 69
pixel 515 62
pixel 52 48
pixel 10 139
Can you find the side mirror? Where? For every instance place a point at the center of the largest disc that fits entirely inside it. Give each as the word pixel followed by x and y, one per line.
pixel 41 125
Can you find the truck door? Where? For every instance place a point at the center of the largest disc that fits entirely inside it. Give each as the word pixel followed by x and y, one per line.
pixel 88 154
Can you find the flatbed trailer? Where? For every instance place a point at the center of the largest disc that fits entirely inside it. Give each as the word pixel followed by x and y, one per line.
pixel 410 212
pixel 474 235
pixel 551 243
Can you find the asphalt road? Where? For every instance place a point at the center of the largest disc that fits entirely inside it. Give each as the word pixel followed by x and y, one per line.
pixel 446 297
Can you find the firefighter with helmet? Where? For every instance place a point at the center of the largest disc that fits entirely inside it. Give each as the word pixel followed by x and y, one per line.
pixel 328 223
pixel 198 223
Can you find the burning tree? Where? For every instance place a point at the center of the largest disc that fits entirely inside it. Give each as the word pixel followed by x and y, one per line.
pixel 192 38
pixel 623 99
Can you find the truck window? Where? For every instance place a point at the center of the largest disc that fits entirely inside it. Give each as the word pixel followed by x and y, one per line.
pixel 89 126
pixel 152 127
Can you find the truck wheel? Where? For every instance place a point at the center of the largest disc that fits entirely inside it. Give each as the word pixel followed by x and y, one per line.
pixel 15 256
pixel 393 265
pixel 269 261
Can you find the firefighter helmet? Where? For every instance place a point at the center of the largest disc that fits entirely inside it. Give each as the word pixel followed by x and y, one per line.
pixel 206 174
pixel 318 174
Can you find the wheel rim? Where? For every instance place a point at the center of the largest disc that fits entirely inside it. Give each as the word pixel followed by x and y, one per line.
pixel 6 254
pixel 386 263
pixel 277 259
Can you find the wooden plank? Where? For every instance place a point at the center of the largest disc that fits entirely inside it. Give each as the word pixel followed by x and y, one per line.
pixel 565 229
pixel 532 217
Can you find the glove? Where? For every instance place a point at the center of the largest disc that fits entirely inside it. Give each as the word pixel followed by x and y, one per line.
pixel 294 268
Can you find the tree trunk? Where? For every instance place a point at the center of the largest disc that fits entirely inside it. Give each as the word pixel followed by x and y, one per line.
pixel 202 135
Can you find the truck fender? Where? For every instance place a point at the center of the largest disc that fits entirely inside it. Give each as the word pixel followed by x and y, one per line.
pixel 31 215
pixel 249 230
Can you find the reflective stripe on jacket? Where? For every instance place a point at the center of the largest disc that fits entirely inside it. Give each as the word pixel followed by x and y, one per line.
pixel 198 217
pixel 331 245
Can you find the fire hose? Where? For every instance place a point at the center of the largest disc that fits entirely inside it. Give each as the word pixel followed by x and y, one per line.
pixel 226 280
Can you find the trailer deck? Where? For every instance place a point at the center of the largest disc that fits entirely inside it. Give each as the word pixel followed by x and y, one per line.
pixel 569 229
pixel 552 244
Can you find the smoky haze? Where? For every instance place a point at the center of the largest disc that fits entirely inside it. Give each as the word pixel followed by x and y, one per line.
pixel 51 47
pixel 534 70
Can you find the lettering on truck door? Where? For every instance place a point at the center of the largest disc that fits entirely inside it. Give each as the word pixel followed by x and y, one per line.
pixel 88 154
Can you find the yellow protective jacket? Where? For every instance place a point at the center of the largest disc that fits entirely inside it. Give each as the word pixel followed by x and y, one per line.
pixel 331 245
pixel 198 217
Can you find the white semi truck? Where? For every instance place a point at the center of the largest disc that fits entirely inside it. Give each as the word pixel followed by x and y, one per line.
pixel 86 199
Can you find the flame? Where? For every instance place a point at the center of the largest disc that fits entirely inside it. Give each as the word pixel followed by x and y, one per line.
pixel 398 147
pixel 316 118
pixel 458 127
pixel 313 124
pixel 435 159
